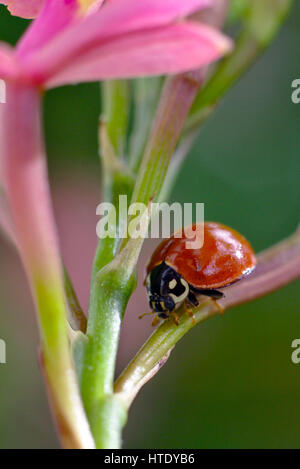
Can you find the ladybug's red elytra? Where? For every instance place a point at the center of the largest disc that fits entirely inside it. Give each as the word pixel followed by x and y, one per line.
pixel 176 274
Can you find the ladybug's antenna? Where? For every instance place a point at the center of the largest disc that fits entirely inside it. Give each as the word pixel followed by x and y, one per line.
pixel 155 320
pixel 147 314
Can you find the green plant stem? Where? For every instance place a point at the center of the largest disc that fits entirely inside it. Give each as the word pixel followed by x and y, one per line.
pixel 112 288
pixel 277 266
pixel 116 103
pixel 116 177
pixel 95 354
pixel 176 163
pixel 117 180
pixel 145 97
pixel 155 352
pixel 177 97
pixel 109 296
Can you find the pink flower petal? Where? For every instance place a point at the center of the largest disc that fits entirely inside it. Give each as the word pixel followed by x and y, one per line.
pixel 24 8
pixel 54 17
pixel 123 16
pixel 171 49
pixel 113 20
pixel 120 16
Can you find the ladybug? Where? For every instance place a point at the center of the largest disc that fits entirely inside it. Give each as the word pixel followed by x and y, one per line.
pixel 176 274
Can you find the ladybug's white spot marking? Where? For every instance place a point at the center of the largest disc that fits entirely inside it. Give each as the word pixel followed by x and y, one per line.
pixel 173 284
pixel 180 298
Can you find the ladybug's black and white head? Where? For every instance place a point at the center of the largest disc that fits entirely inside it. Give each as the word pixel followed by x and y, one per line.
pixel 166 289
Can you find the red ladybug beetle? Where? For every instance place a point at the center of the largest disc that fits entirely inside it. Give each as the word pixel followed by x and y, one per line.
pixel 176 274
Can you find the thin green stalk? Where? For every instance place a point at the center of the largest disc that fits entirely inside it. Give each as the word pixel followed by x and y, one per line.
pixel 116 103
pixel 176 163
pixel 145 97
pixel 117 180
pixel 113 286
pixel 177 97
pixel 155 352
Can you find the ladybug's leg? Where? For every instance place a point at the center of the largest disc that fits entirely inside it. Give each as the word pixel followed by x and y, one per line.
pixel 189 309
pixel 214 295
pixel 192 298
pixel 221 310
pixel 175 317
pixel 155 321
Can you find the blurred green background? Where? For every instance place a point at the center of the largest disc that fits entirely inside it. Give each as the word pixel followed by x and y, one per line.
pixel 230 383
